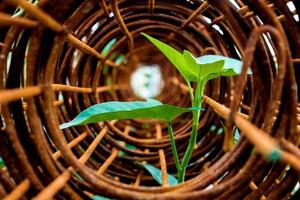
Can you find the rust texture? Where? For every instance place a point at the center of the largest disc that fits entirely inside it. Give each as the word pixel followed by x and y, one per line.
pixel 52 67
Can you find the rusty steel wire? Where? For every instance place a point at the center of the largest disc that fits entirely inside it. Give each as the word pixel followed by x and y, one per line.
pixel 52 68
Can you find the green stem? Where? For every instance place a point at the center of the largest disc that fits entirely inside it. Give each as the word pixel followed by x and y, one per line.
pixel 193 139
pixel 190 91
pixel 173 146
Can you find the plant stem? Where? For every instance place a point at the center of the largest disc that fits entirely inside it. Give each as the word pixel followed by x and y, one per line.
pixel 190 91
pixel 173 146
pixel 193 139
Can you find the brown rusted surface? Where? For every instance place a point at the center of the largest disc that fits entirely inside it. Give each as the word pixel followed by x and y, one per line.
pixel 52 67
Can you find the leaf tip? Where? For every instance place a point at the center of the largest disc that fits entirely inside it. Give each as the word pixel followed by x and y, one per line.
pixel 144 34
pixel 152 39
pixel 64 125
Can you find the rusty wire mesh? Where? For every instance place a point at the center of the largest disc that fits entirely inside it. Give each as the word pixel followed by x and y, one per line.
pixel 51 70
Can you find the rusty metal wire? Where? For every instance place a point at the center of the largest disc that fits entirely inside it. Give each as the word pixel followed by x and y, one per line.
pixel 52 68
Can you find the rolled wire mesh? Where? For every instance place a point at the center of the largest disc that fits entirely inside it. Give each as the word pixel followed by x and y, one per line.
pixel 52 68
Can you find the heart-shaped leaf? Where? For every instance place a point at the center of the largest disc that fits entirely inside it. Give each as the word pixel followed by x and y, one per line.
pixel 176 58
pixel 201 71
pixel 150 109
pixel 233 65
pixel 203 68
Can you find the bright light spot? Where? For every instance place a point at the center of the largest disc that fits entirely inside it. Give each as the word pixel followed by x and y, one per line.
pixel 208 20
pixel 84 39
pixel 216 27
pixel 296 17
pixel 111 14
pixel 211 186
pixel 191 2
pixel 296 188
pixel 238 52
pixel 95 27
pixel 76 56
pixel 270 47
pixel 146 81
pixel 8 60
pixel 291 6
pixel 234 3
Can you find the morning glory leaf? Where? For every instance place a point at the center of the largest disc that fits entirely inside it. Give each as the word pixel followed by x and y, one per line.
pixel 150 109
pixel 230 63
pixel 197 69
pixel 211 71
pixel 156 174
pixel 207 71
pixel 228 72
pixel 191 62
pixel 176 58
pixel 202 71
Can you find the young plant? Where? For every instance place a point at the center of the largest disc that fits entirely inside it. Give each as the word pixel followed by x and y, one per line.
pixel 194 70
pixel 117 108
pixel 200 71
pixel 151 109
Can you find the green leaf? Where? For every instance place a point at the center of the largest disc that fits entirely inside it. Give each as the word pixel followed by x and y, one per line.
pixel 156 174
pixel 148 75
pixel 78 176
pixel 2 164
pixel 150 109
pixel 202 71
pixel 146 85
pixel 97 197
pixel 108 46
pixel 104 52
pixel 127 146
pixel 105 69
pixel 213 128
pixel 233 65
pixel 176 58
pixel 119 59
pixel 220 131
pixel 236 136
pixel 203 68
pixel 109 82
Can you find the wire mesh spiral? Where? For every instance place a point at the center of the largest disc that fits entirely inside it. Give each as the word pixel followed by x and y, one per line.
pixel 53 67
